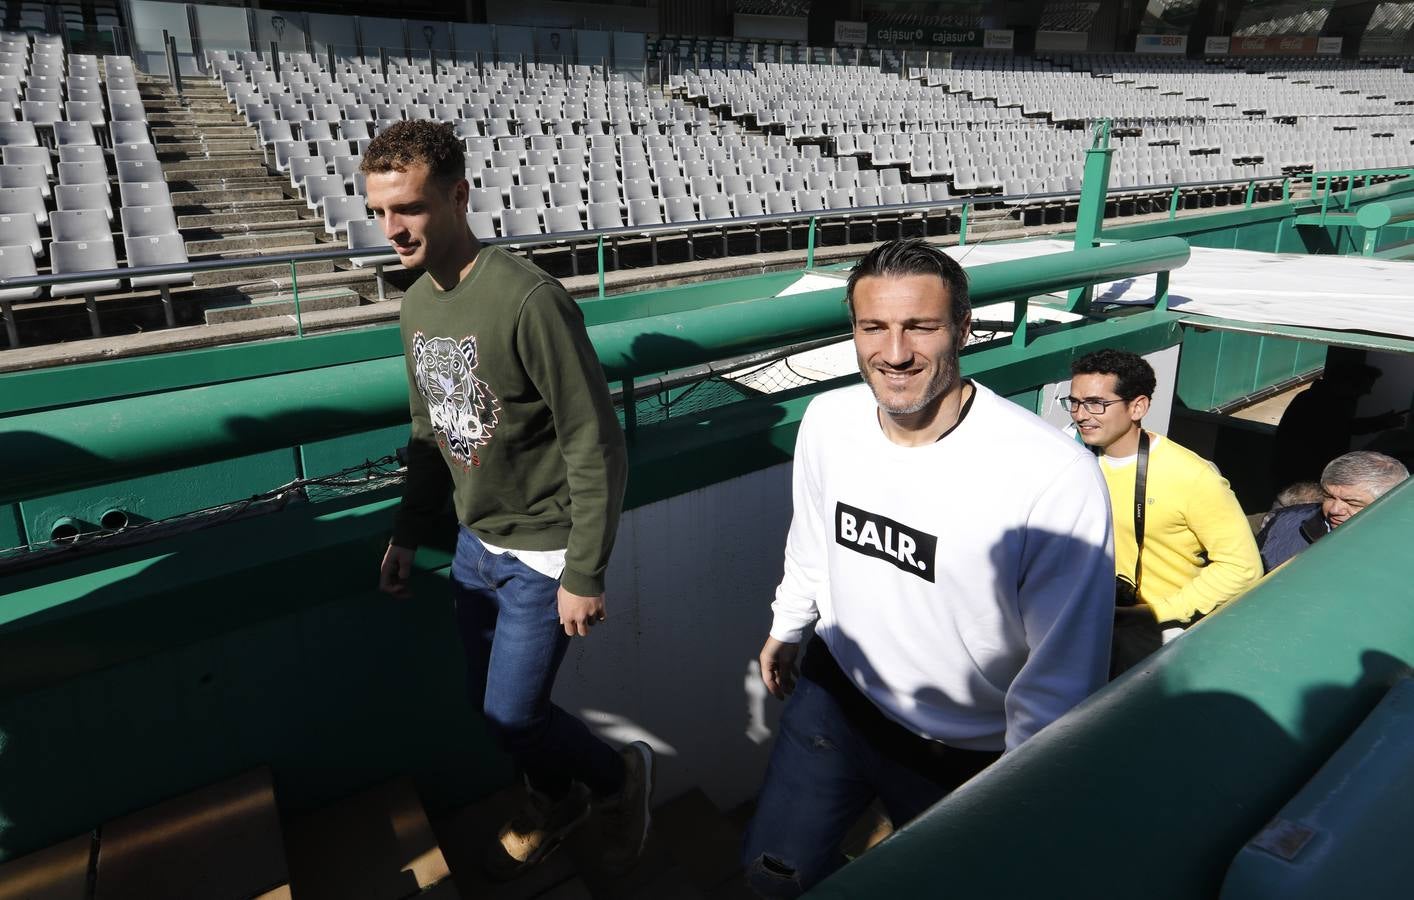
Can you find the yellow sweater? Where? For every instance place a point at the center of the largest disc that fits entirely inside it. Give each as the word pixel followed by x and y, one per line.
pixel 1191 513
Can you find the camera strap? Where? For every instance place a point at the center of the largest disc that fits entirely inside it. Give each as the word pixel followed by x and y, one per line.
pixel 1141 481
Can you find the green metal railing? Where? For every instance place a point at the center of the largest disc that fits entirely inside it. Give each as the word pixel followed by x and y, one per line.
pixel 51 450
pixel 600 240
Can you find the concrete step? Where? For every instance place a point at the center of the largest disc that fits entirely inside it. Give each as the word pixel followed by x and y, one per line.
pixel 255 279
pixel 241 229
pixel 377 845
pixel 227 184
pixel 211 132
pixel 215 171
pixel 209 199
pixel 173 149
pixel 285 240
pixel 276 213
pixel 283 305
pixel 240 159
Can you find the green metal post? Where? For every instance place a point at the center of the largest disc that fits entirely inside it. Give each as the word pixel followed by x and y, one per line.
pixel 1090 217
pixel 1251 192
pixel 294 288
pixel 1018 321
pixel 1173 204
pixel 630 409
pixel 962 228
pixel 810 245
pixel 1161 290
pixel 1286 189
pixel 601 267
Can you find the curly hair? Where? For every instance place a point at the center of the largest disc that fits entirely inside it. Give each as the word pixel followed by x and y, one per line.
pixel 1134 377
pixel 413 143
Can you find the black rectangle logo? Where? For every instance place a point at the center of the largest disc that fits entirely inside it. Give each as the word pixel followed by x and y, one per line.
pixel 882 538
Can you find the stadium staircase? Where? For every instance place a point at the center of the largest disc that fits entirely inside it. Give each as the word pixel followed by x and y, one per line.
pixel 232 841
pixel 229 205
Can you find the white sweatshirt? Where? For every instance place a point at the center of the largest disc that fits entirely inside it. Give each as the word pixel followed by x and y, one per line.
pixel 967 586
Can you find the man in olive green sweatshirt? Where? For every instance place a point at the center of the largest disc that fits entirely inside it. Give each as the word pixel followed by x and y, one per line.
pixel 511 415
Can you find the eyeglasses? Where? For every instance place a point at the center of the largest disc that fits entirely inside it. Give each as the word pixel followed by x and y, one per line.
pixel 1091 405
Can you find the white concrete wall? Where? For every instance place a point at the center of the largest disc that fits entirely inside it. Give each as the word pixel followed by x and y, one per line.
pixel 689 594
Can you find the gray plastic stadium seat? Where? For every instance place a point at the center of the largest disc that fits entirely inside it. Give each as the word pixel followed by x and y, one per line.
pixel 527 196
pixel 129 132
pixel 302 167
pixel 24 200
pixel 28 156
pixel 605 214
pixel 135 153
pixel 84 196
pixel 319 188
pixel 340 211
pixel 809 201
pixel 81 153
pixel 43 113
pixel 365 234
pixel 286 151
pixel 21 231
pixel 16 262
pixel 92 172
pixel 679 209
pixel 146 221
pixel 644 211
pixel 482 224
pixel 139 170
pixel 744 205
pixel 714 207
pixel 564 194
pixel 563 220
pixel 157 250
pixel 779 202
pixel 25 176
pixel 80 225
pixel 84 256
pixel 127 112
pixel 144 193
pixel 86 112
pixel 521 222
pixel 487 200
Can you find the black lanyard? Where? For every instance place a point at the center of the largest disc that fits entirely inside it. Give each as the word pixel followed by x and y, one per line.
pixel 1141 480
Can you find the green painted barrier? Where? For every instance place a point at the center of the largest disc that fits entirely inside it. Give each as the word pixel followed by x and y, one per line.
pixel 1152 786
pixel 68 448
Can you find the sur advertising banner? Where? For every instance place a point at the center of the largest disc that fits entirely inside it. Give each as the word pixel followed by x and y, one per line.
pixel 1276 45
pixel 1217 46
pixel 893 36
pixel 851 32
pixel 1161 43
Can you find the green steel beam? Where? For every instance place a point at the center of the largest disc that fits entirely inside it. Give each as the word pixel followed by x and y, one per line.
pixel 1326 336
pixel 1151 786
pixel 64 449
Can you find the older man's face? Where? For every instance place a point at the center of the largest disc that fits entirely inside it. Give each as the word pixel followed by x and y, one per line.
pixel 1343 501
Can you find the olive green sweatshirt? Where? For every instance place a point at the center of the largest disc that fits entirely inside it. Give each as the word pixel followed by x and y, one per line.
pixel 511 412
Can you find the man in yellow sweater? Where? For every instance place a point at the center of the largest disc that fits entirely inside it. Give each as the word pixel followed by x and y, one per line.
pixel 1197 550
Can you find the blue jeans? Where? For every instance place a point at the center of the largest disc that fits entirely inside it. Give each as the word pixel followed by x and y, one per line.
pixel 823 774
pixel 508 616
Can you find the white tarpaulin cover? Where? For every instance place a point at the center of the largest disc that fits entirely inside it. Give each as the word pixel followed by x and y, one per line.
pixel 1342 293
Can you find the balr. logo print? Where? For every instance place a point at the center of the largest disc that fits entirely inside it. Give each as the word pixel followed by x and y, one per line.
pixel 460 405
pixel 878 536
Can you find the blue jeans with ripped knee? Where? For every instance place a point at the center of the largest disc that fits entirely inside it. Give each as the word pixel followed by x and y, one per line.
pixel 823 774
pixel 509 619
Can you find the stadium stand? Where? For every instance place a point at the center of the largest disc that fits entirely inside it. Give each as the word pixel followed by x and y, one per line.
pixel 262 156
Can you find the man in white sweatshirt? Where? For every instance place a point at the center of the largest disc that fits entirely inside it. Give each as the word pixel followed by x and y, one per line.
pixel 953 553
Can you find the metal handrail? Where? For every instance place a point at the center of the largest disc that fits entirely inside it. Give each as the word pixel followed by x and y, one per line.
pixel 559 238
